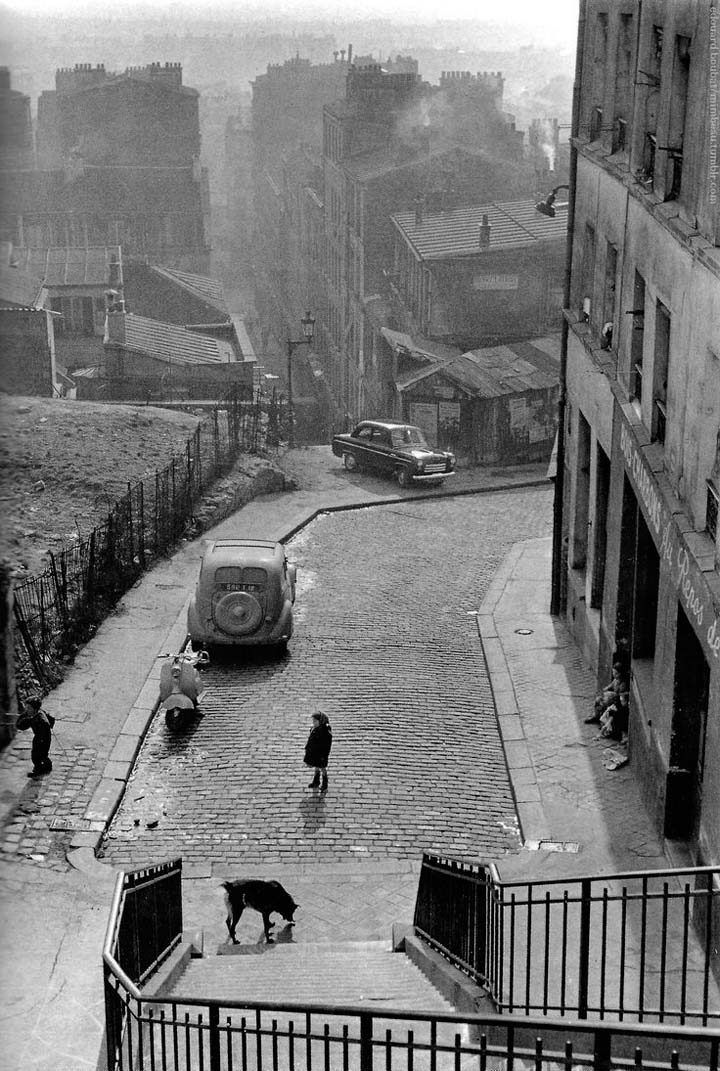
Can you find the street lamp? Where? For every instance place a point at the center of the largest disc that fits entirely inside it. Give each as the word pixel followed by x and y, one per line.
pixel 308 326
pixel 547 206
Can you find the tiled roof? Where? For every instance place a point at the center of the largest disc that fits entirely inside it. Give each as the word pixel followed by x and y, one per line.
pixel 69 266
pixel 493 371
pixel 513 225
pixel 200 286
pixel 168 342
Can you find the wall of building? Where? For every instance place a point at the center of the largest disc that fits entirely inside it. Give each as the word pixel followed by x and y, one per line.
pixel 643 420
pixel 27 353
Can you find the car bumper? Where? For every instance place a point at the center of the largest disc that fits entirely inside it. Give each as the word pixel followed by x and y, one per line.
pixel 429 477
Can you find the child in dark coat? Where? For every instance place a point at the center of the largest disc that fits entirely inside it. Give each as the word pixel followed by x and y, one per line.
pixel 317 750
pixel 41 723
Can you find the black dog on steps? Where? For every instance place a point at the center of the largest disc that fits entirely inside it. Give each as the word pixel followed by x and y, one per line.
pixel 263 896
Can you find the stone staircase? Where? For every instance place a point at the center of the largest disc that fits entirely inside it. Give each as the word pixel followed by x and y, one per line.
pixel 365 974
pixel 353 972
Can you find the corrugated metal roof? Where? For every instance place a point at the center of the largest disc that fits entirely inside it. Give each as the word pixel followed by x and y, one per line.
pixel 68 265
pixel 421 347
pixel 513 224
pixel 176 345
pixel 497 370
pixel 200 286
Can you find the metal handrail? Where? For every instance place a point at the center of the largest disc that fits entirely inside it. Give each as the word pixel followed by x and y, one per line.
pixel 633 944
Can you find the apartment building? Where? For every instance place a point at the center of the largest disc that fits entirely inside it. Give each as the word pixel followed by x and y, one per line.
pixel 638 567
pixel 118 164
pixel 393 143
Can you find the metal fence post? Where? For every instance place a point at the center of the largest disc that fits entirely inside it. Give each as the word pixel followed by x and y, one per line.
pixel 601 1050
pixel 214 1036
pixel 584 955
pixel 366 1047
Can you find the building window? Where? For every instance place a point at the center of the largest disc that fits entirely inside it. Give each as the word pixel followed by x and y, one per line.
pixel 645 601
pixel 582 495
pixel 598 75
pixel 637 338
pixel 649 78
pixel 608 313
pixel 623 83
pixel 660 372
pixel 676 124
pixel 619 141
pixel 711 510
pixel 588 274
pixel 602 500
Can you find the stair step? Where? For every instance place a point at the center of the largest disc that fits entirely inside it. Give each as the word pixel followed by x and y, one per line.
pixel 357 973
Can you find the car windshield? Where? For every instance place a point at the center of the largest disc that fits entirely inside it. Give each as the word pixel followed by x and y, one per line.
pixel 408 437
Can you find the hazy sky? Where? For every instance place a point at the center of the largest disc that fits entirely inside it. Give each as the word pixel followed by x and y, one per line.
pixel 548 15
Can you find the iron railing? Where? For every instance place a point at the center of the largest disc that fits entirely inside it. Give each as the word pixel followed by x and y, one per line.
pixel 56 611
pixel 185 1034
pixel 145 925
pixel 639 946
pixel 189 1033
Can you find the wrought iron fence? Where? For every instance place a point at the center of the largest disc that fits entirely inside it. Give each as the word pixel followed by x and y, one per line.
pixel 187 1033
pixel 640 946
pixel 56 611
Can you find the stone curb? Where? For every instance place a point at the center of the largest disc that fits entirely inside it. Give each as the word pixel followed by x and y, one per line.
pixel 518 757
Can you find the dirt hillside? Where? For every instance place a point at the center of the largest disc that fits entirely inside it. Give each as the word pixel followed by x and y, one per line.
pixel 63 464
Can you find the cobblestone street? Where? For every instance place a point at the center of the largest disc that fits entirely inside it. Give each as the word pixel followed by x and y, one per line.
pixel 386 643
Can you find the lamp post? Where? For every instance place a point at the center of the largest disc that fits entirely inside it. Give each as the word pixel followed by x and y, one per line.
pixel 547 207
pixel 308 326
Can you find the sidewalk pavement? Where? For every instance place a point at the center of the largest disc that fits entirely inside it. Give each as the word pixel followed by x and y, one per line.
pixel 54 918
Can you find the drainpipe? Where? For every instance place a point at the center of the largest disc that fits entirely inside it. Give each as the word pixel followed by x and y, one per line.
pixel 556 578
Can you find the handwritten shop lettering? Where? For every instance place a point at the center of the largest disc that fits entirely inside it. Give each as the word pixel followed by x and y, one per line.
pixel 686 576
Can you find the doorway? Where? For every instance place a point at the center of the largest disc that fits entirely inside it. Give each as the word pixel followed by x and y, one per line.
pixel 691 693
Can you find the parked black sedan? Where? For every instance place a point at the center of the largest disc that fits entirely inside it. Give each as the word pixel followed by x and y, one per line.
pixel 399 450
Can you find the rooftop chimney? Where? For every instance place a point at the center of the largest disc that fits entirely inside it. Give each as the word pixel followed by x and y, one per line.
pixel 4 77
pixel 419 201
pixel 484 232
pixel 349 55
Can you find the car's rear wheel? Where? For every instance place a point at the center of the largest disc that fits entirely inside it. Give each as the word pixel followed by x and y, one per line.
pixel 404 477
pixel 350 462
pixel 237 613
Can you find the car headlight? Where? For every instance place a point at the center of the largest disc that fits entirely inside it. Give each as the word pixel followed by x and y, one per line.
pixel 452 459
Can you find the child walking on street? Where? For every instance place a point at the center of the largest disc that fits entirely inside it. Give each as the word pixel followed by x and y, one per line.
pixel 317 750
pixel 41 723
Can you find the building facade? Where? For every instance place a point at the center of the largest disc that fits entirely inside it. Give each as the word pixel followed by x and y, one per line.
pixel 118 164
pixel 642 418
pixel 391 143
pixel 478 274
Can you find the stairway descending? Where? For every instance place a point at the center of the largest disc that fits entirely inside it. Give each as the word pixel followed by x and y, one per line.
pixel 365 972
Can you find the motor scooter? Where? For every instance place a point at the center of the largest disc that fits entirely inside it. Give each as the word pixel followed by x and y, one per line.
pixel 181 687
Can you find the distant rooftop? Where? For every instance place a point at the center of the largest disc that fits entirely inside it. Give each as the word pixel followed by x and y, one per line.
pixel 493 371
pixel 200 286
pixel 69 266
pixel 513 224
pixel 166 342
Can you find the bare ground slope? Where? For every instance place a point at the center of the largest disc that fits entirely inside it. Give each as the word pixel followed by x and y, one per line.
pixel 64 464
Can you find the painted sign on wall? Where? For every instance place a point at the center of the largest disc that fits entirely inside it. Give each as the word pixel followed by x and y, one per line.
pixel 692 590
